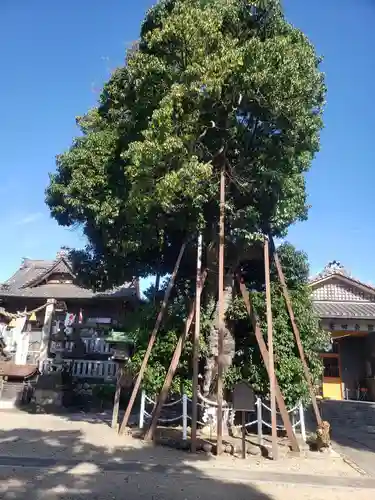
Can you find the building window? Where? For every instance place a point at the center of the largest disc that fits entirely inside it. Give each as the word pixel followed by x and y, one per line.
pixel 335 347
pixel 331 367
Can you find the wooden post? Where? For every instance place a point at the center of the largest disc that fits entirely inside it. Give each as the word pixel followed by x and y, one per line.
pixel 264 352
pixel 151 341
pixel 296 334
pixel 199 285
pixel 243 434
pixel 171 371
pixel 271 362
pixel 219 414
pixel 116 402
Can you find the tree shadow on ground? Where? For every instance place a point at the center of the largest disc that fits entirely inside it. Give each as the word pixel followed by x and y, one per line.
pixel 62 464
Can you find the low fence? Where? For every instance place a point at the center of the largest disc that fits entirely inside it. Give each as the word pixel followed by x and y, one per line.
pixel 360 394
pixel 297 415
pixel 94 369
pixel 83 368
pixel 92 345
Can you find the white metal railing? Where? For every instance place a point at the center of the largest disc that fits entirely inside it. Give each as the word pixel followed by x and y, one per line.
pixel 143 414
pixel 297 423
pixel 83 368
pixel 298 419
pixel 359 394
pixel 92 345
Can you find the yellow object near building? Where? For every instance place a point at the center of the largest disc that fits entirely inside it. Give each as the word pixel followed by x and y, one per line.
pixel 332 383
pixel 332 388
pixel 32 317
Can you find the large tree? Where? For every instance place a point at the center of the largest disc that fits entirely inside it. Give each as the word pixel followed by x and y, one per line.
pixel 247 363
pixel 209 81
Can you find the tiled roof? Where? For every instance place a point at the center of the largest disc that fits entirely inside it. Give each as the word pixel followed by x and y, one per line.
pixel 25 283
pixel 335 269
pixel 29 271
pixel 347 310
pixel 10 369
pixel 52 290
pixel 59 266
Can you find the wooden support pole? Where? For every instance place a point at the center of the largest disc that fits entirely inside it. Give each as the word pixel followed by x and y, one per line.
pixel 116 402
pixel 264 352
pixel 243 434
pixel 219 414
pixel 271 361
pixel 151 341
pixel 297 335
pixel 197 326
pixel 171 371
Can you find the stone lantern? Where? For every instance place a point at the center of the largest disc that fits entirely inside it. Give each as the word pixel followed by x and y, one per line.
pixel 58 339
pixel 122 346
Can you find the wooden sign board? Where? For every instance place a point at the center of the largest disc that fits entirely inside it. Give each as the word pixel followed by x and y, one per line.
pixel 243 397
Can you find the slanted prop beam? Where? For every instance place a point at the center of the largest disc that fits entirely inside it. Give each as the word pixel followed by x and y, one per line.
pixel 296 332
pixel 151 342
pixel 171 371
pixel 271 361
pixel 264 352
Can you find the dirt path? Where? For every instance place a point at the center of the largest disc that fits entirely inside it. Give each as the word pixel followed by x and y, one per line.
pixel 44 456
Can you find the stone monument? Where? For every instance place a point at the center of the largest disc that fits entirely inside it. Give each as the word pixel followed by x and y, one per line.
pixel 49 389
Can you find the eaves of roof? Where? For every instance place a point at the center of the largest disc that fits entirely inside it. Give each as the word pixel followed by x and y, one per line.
pixel 345 310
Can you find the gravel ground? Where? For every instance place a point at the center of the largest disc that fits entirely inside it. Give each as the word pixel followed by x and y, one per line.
pixel 85 483
pixel 50 457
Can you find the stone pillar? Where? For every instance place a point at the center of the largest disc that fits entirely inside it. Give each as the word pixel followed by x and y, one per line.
pixel 46 332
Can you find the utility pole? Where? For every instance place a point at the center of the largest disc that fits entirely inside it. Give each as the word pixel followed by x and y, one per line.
pixel 270 349
pixel 219 416
pixel 194 417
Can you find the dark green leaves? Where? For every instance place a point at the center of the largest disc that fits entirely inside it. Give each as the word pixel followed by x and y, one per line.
pixel 204 76
pixel 248 363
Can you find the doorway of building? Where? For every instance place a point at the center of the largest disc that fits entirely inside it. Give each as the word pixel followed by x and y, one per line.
pixel 332 384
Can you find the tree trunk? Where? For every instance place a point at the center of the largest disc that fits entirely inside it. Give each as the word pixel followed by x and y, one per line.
pixel 157 286
pixel 210 376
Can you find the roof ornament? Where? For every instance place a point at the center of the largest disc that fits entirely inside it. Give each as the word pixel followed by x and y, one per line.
pixel 63 253
pixel 333 267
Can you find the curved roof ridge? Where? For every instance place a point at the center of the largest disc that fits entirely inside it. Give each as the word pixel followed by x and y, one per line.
pixel 335 268
pixel 47 272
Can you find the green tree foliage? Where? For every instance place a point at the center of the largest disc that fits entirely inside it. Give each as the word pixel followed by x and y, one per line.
pixel 206 76
pixel 209 81
pixel 140 323
pixel 248 363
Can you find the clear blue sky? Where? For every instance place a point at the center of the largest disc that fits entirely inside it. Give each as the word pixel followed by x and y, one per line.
pixel 55 57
